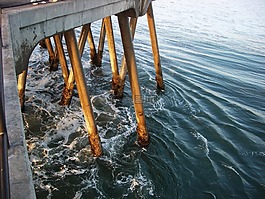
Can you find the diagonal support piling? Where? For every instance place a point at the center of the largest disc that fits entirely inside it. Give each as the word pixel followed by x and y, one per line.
pixel 83 91
pixel 143 136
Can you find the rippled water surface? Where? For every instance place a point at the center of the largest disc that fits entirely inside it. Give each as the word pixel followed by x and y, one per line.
pixel 207 128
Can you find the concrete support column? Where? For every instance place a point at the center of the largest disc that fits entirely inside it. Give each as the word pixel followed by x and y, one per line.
pixel 101 42
pixel 155 49
pixel 143 137
pixel 111 45
pixel 123 70
pixel 113 56
pixel 82 91
pixel 67 76
pixel 69 83
pixel 61 56
pixel 93 52
pixel 83 38
pixel 53 59
pixel 68 89
pixel 21 86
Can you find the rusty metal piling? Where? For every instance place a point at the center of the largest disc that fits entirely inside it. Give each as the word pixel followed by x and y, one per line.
pixel 61 56
pixel 123 69
pixel 21 86
pixel 53 57
pixel 113 55
pixel 93 52
pixel 143 136
pixel 83 38
pixel 82 91
pixel 69 82
pixel 101 42
pixel 155 49
pixel 68 76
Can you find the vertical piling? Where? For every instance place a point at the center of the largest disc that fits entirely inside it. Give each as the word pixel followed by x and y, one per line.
pixel 68 89
pixel 143 136
pixel 123 69
pixel 82 91
pixel 69 83
pixel 93 52
pixel 155 49
pixel 21 86
pixel 101 42
pixel 83 37
pixel 61 56
pixel 113 56
pixel 67 75
pixel 53 60
pixel 111 45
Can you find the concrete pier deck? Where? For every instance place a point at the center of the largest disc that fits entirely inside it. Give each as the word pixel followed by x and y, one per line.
pixel 22 28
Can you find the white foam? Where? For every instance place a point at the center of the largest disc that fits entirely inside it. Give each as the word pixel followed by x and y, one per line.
pixel 204 142
pixel 231 168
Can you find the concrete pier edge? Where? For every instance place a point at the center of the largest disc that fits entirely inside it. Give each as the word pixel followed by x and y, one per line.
pixel 21 182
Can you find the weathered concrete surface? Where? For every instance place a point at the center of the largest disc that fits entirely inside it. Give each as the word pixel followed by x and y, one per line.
pixel 8 3
pixel 4 168
pixel 21 183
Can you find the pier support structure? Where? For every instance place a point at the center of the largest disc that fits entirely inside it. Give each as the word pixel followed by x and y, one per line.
pixel 61 56
pixel 112 54
pixel 93 51
pixel 143 136
pixel 123 70
pixel 25 26
pixel 82 91
pixel 101 42
pixel 53 55
pixel 118 79
pixel 155 49
pixel 21 86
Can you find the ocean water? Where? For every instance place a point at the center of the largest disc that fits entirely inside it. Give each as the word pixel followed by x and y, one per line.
pixel 207 127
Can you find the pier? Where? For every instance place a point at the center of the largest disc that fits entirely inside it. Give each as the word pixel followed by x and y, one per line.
pixel 22 27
